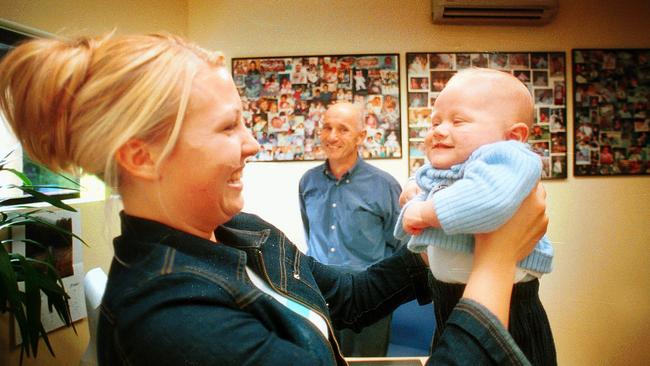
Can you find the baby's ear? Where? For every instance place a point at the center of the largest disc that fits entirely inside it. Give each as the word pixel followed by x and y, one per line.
pixel 136 158
pixel 518 132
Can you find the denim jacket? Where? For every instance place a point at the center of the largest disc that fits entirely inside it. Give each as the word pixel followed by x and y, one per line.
pixel 176 299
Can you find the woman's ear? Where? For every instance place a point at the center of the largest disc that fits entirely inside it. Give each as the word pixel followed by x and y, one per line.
pixel 518 132
pixel 137 159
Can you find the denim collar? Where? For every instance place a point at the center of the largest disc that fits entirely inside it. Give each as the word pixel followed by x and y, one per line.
pixel 241 239
pixel 147 232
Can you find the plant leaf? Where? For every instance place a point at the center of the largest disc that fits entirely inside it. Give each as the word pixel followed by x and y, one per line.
pixel 70 180
pixel 20 175
pixel 25 240
pixel 32 304
pixel 44 197
pixel 38 276
pixel 38 220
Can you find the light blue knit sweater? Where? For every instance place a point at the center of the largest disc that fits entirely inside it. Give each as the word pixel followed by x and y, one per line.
pixel 478 196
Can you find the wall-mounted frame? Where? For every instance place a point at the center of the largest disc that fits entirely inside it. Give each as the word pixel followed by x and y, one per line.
pixel 611 112
pixel 10 35
pixel 542 72
pixel 284 100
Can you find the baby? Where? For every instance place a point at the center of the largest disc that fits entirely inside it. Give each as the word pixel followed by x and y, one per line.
pixel 479 172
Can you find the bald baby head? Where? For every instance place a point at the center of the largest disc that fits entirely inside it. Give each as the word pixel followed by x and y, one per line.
pixel 500 90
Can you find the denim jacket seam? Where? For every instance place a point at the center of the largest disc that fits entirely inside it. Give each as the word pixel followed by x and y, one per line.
pixel 168 261
pixel 299 277
pixel 240 272
pixel 307 284
pixel 283 269
pixel 296 265
pixel 489 326
pixel 107 313
pixel 210 277
pixel 248 298
pixel 120 352
pixel 377 305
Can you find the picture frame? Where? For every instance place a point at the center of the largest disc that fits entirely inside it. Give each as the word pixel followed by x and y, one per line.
pixel 543 72
pixel 611 109
pixel 284 99
pixel 49 183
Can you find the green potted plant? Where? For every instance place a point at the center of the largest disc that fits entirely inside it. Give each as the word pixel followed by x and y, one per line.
pixel 23 278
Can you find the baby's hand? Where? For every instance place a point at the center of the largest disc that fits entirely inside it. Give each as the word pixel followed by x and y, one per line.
pixel 410 190
pixel 413 220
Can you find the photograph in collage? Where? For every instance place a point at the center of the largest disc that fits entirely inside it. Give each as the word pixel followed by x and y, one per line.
pixel 284 100
pixel 611 112
pixel 543 73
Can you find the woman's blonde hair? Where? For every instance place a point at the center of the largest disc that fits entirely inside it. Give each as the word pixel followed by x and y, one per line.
pixel 73 103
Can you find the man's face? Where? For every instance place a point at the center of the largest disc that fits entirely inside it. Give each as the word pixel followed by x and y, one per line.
pixel 341 134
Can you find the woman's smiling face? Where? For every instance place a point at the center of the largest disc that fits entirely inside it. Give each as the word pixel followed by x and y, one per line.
pixel 200 181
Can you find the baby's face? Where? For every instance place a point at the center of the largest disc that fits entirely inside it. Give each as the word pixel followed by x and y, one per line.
pixel 468 113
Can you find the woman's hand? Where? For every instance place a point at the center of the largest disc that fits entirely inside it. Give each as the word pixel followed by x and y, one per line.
pixel 496 254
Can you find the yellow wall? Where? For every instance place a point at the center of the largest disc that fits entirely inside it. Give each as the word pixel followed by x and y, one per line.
pixel 69 17
pixel 598 297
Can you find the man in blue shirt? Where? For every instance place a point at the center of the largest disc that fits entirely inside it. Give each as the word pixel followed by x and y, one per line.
pixel 349 209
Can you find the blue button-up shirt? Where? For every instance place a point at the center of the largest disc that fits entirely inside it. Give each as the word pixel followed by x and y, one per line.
pixel 349 222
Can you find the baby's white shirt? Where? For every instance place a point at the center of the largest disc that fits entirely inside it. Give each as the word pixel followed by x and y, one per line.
pixel 451 266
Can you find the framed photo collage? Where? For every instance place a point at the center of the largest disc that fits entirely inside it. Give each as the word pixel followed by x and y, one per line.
pixel 284 100
pixel 611 112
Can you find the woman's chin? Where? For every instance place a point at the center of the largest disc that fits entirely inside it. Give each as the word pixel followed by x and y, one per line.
pixel 235 207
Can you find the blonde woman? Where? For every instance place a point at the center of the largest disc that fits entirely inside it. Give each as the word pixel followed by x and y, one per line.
pixel 193 280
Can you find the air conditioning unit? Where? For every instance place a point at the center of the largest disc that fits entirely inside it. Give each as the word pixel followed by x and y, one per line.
pixel 496 12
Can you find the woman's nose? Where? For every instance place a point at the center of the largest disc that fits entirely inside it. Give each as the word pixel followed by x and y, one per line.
pixel 250 146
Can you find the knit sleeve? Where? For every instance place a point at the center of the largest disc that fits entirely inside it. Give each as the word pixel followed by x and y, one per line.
pixel 399 232
pixel 496 179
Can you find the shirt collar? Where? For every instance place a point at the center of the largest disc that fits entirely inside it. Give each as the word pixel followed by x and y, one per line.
pixel 355 168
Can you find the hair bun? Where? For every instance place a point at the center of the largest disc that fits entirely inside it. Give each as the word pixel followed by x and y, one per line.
pixel 39 80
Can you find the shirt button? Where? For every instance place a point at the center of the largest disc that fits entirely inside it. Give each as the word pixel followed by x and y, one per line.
pixel 334 205
pixel 332 250
pixel 333 227
pixel 347 181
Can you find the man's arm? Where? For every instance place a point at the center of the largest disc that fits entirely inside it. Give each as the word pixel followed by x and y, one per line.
pixel 303 209
pixel 391 214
